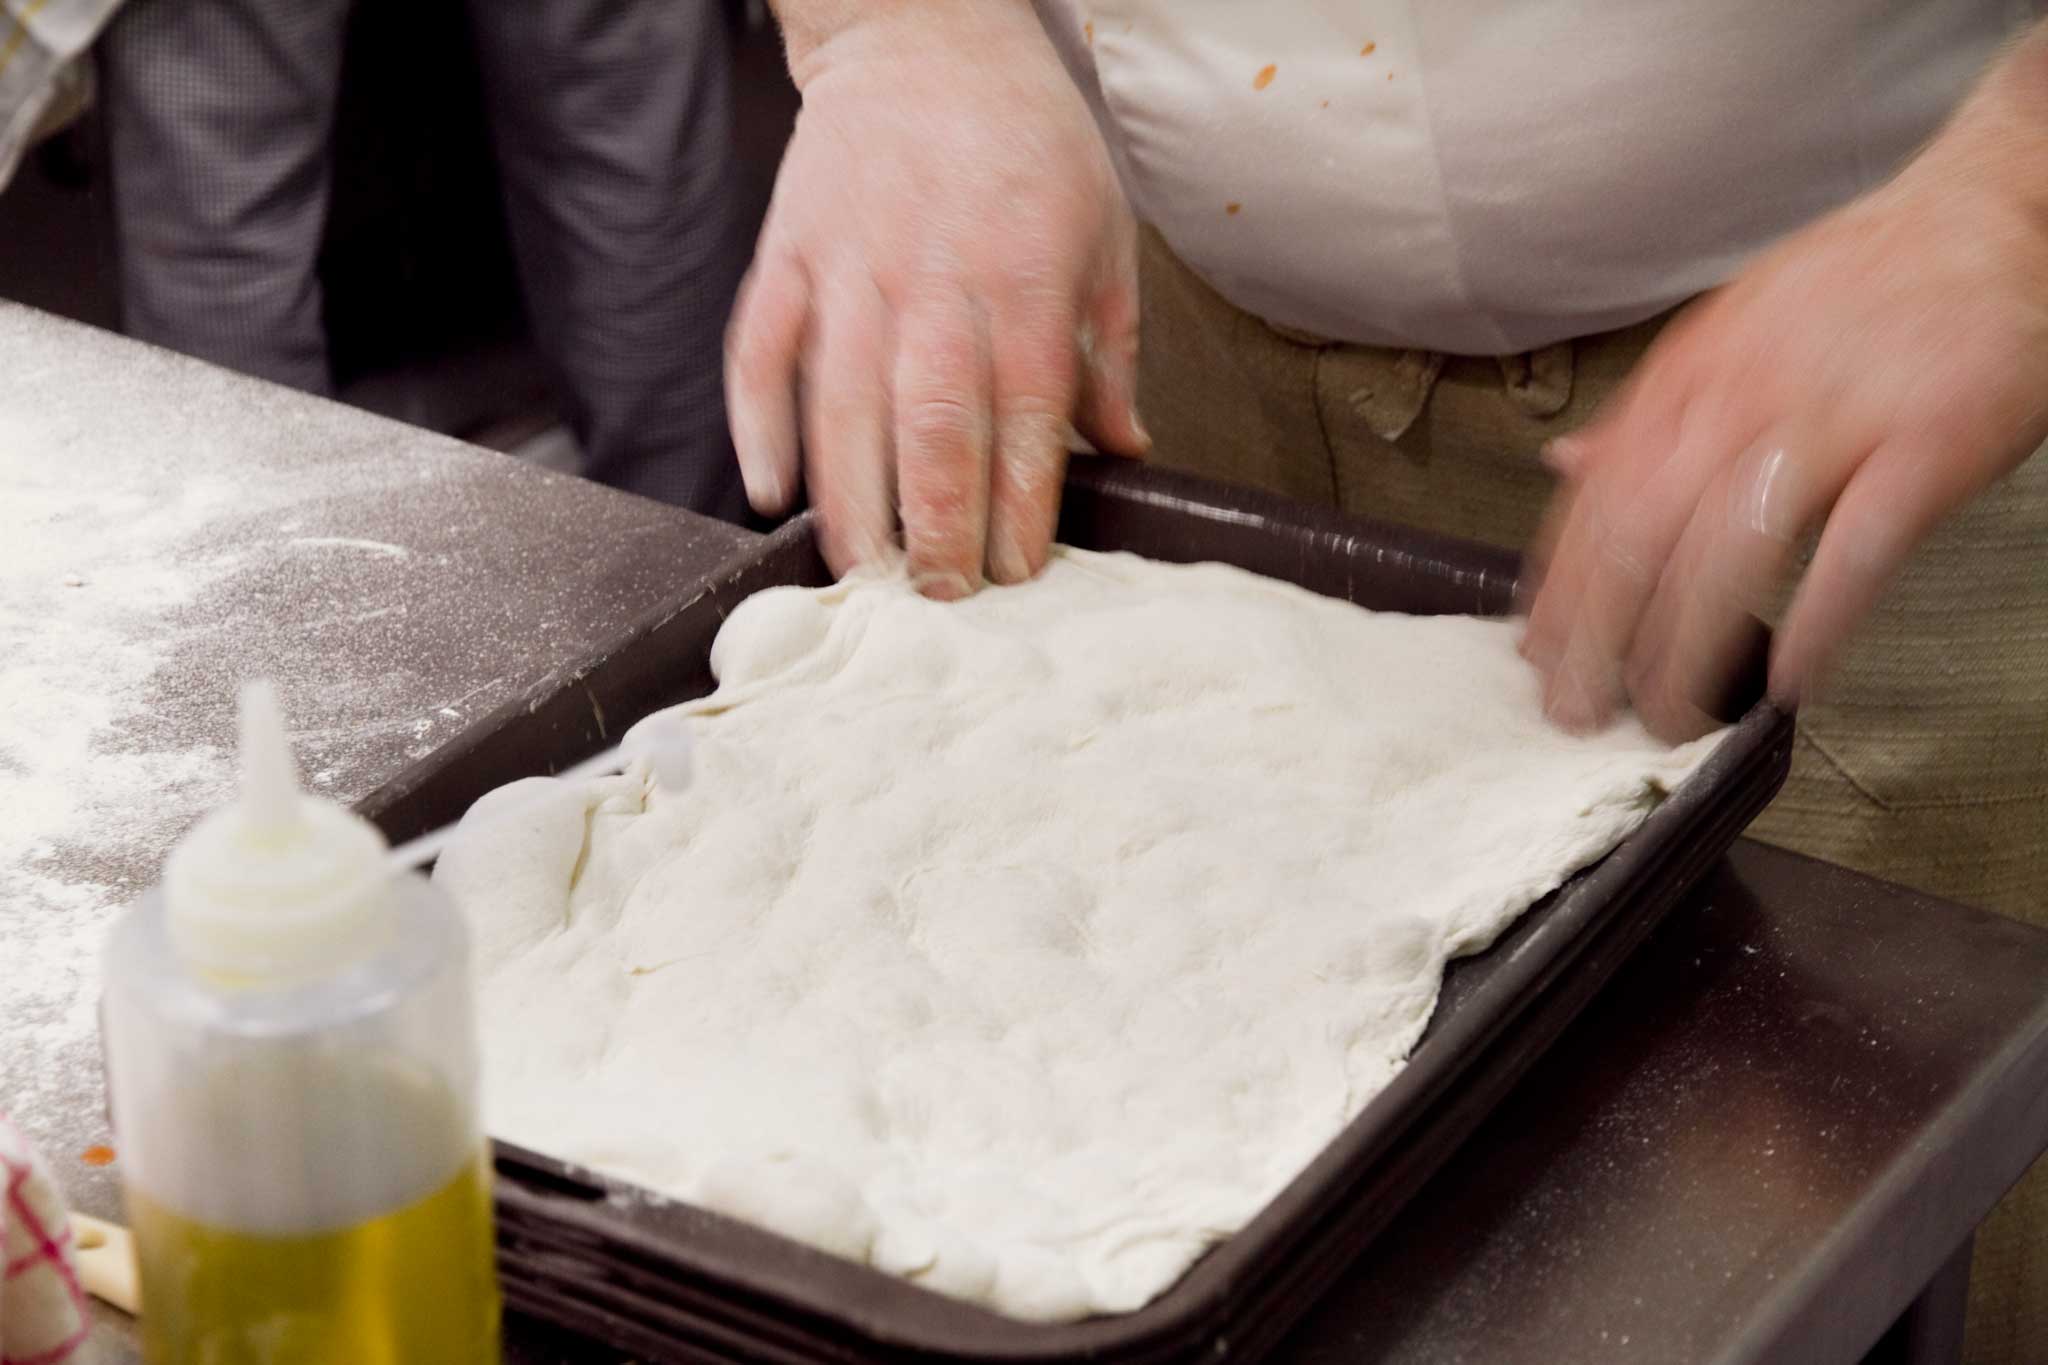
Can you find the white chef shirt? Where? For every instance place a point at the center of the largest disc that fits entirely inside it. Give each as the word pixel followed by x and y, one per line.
pixel 1490 176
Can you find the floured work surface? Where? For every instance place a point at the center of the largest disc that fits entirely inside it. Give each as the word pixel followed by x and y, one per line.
pixel 1027 946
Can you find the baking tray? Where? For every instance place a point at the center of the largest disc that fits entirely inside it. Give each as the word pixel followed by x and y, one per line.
pixel 665 1281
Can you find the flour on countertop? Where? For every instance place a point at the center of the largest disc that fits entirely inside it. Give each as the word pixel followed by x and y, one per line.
pixel 123 613
pixel 1025 946
pixel 166 529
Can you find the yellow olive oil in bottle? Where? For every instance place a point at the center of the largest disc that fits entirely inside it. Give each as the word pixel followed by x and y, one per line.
pixel 291 1056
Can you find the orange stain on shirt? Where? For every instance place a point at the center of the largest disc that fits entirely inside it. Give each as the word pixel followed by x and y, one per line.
pixel 1368 49
pixel 1088 32
pixel 1232 209
pixel 1265 76
pixel 1326 104
pixel 97 1156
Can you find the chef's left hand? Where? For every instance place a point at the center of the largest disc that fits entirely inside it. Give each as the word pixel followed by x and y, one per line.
pixel 1868 376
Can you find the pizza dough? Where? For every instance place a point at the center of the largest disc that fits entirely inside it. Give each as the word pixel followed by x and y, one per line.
pixel 1025 946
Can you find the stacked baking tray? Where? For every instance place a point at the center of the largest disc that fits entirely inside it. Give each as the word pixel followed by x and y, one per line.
pixel 665 1281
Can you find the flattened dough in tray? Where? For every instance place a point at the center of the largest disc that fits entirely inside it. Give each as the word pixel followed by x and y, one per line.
pixel 1025 946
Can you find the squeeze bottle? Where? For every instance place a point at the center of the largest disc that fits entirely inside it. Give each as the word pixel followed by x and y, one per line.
pixel 291 1058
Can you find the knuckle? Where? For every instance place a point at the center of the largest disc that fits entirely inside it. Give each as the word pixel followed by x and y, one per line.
pixel 1032 472
pixel 752 357
pixel 942 335
pixel 941 425
pixel 1032 428
pixel 937 504
pixel 1031 416
pixel 1039 350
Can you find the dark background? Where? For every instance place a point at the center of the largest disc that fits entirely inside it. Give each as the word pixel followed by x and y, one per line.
pixel 423 314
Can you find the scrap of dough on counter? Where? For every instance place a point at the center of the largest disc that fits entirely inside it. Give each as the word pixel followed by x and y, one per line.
pixel 1025 946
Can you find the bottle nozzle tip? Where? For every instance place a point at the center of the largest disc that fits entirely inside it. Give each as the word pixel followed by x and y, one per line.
pixel 270 782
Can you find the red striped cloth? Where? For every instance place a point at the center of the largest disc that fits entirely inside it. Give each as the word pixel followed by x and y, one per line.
pixel 43 1318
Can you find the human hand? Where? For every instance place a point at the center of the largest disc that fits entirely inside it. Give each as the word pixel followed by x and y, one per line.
pixel 946 278
pixel 1866 377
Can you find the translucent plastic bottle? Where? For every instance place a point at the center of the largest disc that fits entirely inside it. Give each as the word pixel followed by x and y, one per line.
pixel 291 1052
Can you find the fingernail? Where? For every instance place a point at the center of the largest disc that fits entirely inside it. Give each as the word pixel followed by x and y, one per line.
pixel 942 586
pixel 760 471
pixel 1570 701
pixel 1784 686
pixel 767 490
pixel 1138 427
pixel 1563 454
pixel 1007 561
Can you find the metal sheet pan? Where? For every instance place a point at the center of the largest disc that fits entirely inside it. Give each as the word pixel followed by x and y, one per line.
pixel 670 1282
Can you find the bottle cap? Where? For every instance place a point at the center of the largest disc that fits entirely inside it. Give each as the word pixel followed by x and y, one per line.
pixel 280 885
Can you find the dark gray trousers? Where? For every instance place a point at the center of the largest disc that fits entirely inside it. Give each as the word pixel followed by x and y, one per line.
pixel 612 123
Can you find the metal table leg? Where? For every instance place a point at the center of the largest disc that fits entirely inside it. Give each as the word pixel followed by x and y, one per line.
pixel 1930 1331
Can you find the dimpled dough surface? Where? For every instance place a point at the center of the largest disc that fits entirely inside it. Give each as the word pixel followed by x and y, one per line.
pixel 1025 946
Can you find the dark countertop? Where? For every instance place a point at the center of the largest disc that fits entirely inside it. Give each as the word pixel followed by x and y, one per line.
pixel 1760 1142
pixel 167 529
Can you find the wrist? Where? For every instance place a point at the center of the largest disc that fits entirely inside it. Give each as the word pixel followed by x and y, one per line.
pixel 816 32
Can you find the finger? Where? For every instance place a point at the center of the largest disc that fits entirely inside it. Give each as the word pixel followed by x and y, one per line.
pixel 1632 430
pixel 1542 549
pixel 846 424
pixel 1703 631
pixel 1646 407
pixel 944 435
pixel 1636 512
pixel 1560 581
pixel 1607 556
pixel 1034 391
pixel 1107 343
pixel 763 343
pixel 1894 501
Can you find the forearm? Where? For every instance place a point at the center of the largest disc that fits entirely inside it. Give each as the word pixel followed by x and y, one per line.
pixel 1998 138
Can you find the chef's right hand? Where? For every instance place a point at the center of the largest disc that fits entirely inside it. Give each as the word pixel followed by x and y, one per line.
pixel 946 278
